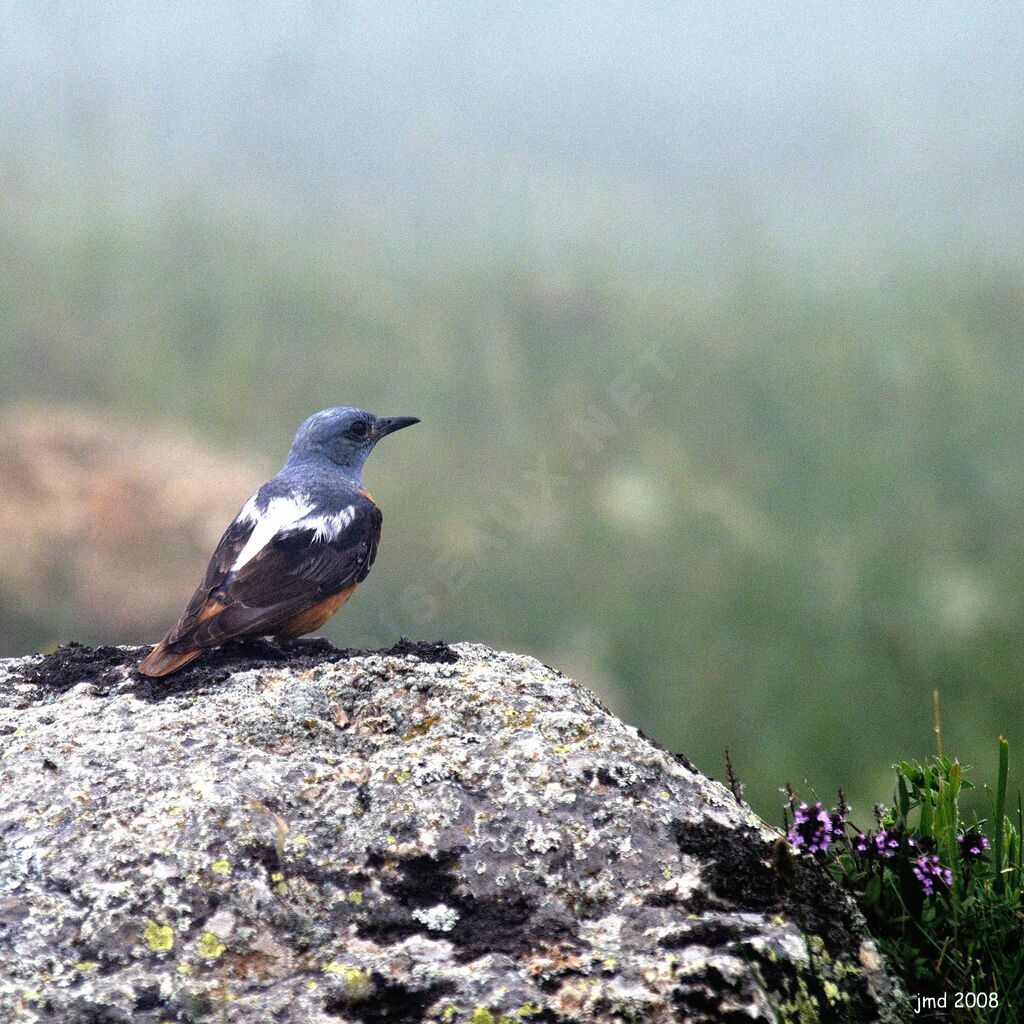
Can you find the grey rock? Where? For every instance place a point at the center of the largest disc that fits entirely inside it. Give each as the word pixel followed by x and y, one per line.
pixel 300 834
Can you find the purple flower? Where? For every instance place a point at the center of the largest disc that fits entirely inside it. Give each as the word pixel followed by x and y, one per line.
pixel 881 845
pixel 930 871
pixel 973 844
pixel 814 828
pixel 924 844
pixel 887 842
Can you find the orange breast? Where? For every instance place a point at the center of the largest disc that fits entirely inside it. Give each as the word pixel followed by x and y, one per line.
pixel 314 617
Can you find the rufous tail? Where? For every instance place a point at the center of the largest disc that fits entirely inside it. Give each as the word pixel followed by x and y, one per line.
pixel 162 661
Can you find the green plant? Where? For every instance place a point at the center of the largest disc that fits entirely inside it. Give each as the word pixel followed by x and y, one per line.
pixel 941 889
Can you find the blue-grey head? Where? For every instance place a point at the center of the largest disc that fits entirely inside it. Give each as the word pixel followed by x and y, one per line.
pixel 343 436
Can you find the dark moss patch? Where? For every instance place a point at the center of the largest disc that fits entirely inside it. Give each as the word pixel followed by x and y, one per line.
pixel 264 856
pixel 700 999
pixel 109 667
pixel 149 999
pixel 411 883
pixel 714 934
pixel 738 869
pixel 391 1003
pixel 616 777
pixel 422 881
pixel 547 1015
pixel 431 651
pixel 508 923
pixel 735 864
pixel 74 663
pixel 87 1012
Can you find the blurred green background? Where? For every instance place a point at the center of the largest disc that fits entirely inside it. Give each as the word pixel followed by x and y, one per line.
pixel 712 313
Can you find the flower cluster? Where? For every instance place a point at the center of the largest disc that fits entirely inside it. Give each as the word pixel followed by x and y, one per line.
pixel 890 850
pixel 929 871
pixel 888 842
pixel 883 844
pixel 814 828
pixel 924 844
pixel 973 844
pixel 894 841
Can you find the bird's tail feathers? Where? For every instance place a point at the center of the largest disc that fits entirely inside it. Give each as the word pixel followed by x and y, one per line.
pixel 161 661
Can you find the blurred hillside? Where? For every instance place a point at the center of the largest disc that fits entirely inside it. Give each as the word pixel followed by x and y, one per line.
pixel 714 325
pixel 103 522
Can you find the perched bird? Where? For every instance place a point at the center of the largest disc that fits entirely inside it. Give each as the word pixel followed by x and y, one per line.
pixel 297 549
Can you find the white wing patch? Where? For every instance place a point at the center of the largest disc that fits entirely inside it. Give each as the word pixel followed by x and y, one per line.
pixel 326 528
pixel 249 512
pixel 281 514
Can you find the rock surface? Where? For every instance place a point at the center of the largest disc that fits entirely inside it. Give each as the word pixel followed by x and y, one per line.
pixel 307 835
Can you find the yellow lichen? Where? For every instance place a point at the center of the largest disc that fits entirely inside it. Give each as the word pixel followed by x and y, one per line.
pixel 159 937
pixel 802 1008
pixel 222 867
pixel 85 965
pixel 357 982
pixel 845 970
pixel 185 969
pixel 355 897
pixel 403 776
pixel 423 728
pixel 482 1016
pixel 519 719
pixel 209 947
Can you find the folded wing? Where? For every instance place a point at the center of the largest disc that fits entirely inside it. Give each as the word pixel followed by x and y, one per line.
pixel 259 579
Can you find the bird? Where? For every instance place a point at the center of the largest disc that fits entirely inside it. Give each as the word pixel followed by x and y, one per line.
pixel 297 549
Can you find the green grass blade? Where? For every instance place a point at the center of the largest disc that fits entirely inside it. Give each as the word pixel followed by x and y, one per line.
pixel 903 797
pixel 999 824
pixel 926 807
pixel 1018 873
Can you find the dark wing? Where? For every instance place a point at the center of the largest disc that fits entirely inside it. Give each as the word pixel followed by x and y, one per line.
pixel 224 556
pixel 294 572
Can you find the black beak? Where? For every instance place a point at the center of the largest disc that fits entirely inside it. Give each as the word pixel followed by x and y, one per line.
pixel 389 424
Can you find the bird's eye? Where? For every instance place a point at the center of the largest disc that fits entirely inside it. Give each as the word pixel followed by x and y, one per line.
pixel 359 430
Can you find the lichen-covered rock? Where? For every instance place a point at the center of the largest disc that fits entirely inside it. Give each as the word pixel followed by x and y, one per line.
pixel 309 835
